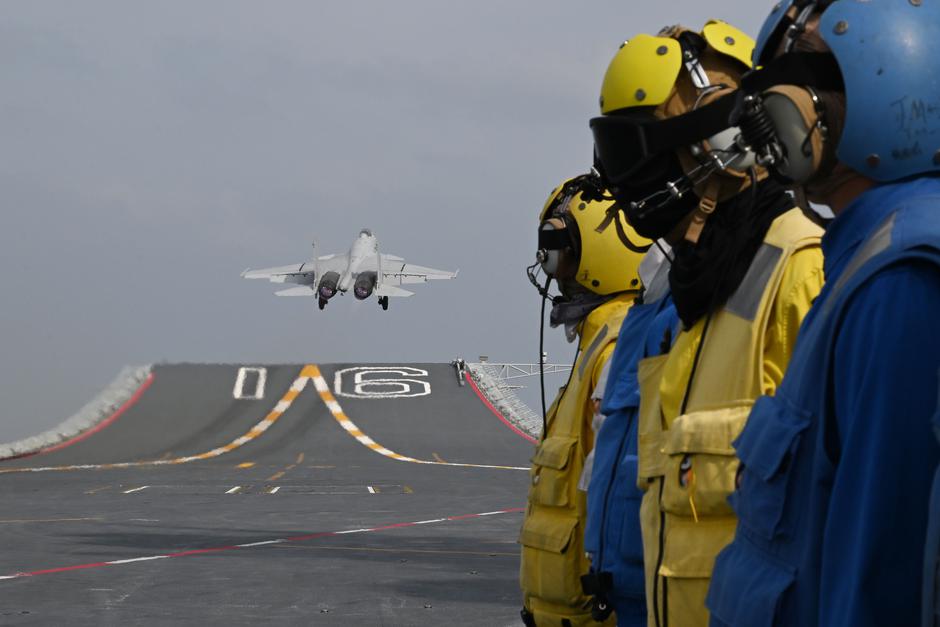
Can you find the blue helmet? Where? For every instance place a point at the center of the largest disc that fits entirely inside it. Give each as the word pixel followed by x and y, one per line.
pixel 886 52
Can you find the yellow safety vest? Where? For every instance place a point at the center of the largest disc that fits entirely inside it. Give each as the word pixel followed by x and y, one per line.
pixel 552 535
pixel 687 465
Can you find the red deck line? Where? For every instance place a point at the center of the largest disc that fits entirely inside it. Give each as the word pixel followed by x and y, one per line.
pixel 234 547
pixel 498 414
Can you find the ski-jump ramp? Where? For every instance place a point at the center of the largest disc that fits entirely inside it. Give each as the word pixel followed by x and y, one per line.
pixel 301 494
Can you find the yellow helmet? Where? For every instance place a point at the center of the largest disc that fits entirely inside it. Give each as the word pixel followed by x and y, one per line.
pixel 573 232
pixel 645 71
pixel 668 97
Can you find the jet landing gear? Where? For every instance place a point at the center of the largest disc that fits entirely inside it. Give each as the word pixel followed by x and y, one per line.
pixel 323 303
pixel 383 301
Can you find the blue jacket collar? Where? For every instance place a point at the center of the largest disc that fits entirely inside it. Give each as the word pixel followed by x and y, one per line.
pixel 863 215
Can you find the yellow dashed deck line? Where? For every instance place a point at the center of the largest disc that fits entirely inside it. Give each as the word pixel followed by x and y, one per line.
pixel 306 374
pixel 350 427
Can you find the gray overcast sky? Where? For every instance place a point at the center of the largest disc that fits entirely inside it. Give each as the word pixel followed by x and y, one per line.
pixel 151 151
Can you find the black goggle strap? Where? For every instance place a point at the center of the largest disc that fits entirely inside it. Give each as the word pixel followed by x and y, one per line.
pixel 555 239
pixel 812 69
pixel 652 138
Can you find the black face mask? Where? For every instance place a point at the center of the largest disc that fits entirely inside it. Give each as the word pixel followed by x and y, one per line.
pixel 660 222
pixel 655 221
pixel 703 276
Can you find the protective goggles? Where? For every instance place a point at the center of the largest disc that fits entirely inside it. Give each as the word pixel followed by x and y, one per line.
pixel 628 148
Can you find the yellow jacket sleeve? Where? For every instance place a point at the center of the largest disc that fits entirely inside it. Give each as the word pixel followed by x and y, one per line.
pixel 802 280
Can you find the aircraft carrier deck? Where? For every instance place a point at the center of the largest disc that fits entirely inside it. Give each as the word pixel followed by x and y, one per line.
pixel 304 494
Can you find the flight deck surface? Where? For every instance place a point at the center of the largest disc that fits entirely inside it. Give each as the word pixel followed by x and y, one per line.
pixel 306 494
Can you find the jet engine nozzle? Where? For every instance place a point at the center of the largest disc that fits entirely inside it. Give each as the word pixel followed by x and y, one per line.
pixel 327 287
pixel 365 284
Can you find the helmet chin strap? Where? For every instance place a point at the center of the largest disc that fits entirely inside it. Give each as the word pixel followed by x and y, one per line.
pixel 706 206
pixel 798 27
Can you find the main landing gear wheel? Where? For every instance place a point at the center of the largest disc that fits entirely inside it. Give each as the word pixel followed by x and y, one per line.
pixel 383 300
pixel 322 303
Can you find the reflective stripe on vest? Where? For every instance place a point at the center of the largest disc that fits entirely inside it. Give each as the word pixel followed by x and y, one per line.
pixel 589 353
pixel 877 243
pixel 746 299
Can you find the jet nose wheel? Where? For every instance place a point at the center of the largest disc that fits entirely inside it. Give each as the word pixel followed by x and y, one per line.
pixel 322 303
pixel 383 300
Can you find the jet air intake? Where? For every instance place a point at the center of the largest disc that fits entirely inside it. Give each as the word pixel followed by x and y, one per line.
pixel 365 284
pixel 327 288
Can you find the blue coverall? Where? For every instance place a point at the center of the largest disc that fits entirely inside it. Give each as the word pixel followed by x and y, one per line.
pixel 837 466
pixel 612 533
pixel 931 588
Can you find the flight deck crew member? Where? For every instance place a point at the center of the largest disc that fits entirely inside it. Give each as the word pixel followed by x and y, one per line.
pixel 744 269
pixel 836 468
pixel 612 533
pixel 597 279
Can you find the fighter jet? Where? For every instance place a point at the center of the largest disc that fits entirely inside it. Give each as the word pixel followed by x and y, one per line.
pixel 363 269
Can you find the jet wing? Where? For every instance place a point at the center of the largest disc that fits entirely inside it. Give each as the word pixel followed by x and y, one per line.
pixel 297 273
pixel 302 273
pixel 401 273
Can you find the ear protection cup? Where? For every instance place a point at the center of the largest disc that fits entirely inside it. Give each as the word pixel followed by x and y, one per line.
pixel 798 122
pixel 550 259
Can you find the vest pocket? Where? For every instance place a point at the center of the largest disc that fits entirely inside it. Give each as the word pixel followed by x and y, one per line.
pixel 700 463
pixel 748 588
pixel 765 447
pixel 550 483
pixel 548 573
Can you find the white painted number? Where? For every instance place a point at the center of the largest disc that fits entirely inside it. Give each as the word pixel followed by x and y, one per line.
pixel 258 376
pixel 381 382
